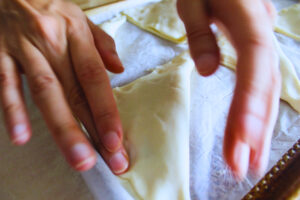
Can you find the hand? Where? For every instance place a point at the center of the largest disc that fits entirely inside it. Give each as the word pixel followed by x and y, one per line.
pixel 253 112
pixel 64 57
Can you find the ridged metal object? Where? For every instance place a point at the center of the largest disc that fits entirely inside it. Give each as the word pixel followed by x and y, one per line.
pixel 282 182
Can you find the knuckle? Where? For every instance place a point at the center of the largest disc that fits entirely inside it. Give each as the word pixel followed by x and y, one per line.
pixel 91 72
pixel 198 31
pixel 257 41
pixel 76 98
pixel 76 25
pixel 105 114
pixel 6 80
pixel 11 108
pixel 41 83
pixel 62 129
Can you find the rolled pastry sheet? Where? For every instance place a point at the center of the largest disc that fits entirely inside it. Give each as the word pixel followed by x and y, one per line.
pixel 160 19
pixel 154 111
pixel 86 4
pixel 288 22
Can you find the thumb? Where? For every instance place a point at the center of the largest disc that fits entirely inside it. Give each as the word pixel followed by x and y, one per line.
pixel 202 42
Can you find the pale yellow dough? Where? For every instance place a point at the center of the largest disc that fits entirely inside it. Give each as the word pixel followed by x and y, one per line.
pixel 290 83
pixel 228 53
pixel 160 19
pixel 288 22
pixel 85 4
pixel 155 116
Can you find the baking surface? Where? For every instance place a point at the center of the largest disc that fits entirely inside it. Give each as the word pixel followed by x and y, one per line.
pixel 38 171
pixel 210 178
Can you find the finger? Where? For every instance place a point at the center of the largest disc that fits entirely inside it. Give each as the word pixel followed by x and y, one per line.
pixel 96 86
pixel 255 103
pixel 238 158
pixel 48 96
pixel 271 10
pixel 79 106
pixel 107 49
pixel 260 157
pixel 202 42
pixel 12 101
pixel 114 159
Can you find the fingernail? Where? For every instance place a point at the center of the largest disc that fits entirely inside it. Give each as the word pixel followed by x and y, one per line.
pixel 82 155
pixel 261 161
pixel 118 163
pixel 241 160
pixel 19 134
pixel 207 63
pixel 111 141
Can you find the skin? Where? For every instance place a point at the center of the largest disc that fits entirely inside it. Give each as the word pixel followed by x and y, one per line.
pixel 50 51
pixel 253 112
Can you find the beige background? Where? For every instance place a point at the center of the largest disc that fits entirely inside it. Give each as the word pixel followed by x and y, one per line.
pixel 37 171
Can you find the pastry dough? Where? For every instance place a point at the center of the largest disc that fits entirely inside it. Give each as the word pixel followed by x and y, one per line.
pixel 85 4
pixel 155 116
pixel 288 22
pixel 160 19
pixel 228 53
pixel 290 83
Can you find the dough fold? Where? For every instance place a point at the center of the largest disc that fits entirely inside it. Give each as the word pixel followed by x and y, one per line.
pixel 288 22
pixel 290 91
pixel 85 4
pixel 160 19
pixel 154 111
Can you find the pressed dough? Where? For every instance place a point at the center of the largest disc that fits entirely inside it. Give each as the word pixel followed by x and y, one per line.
pixel 160 19
pixel 290 91
pixel 288 22
pixel 107 11
pixel 154 112
pixel 228 53
pixel 85 4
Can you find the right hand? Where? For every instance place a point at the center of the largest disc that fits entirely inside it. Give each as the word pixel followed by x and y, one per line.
pixel 254 107
pixel 63 56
